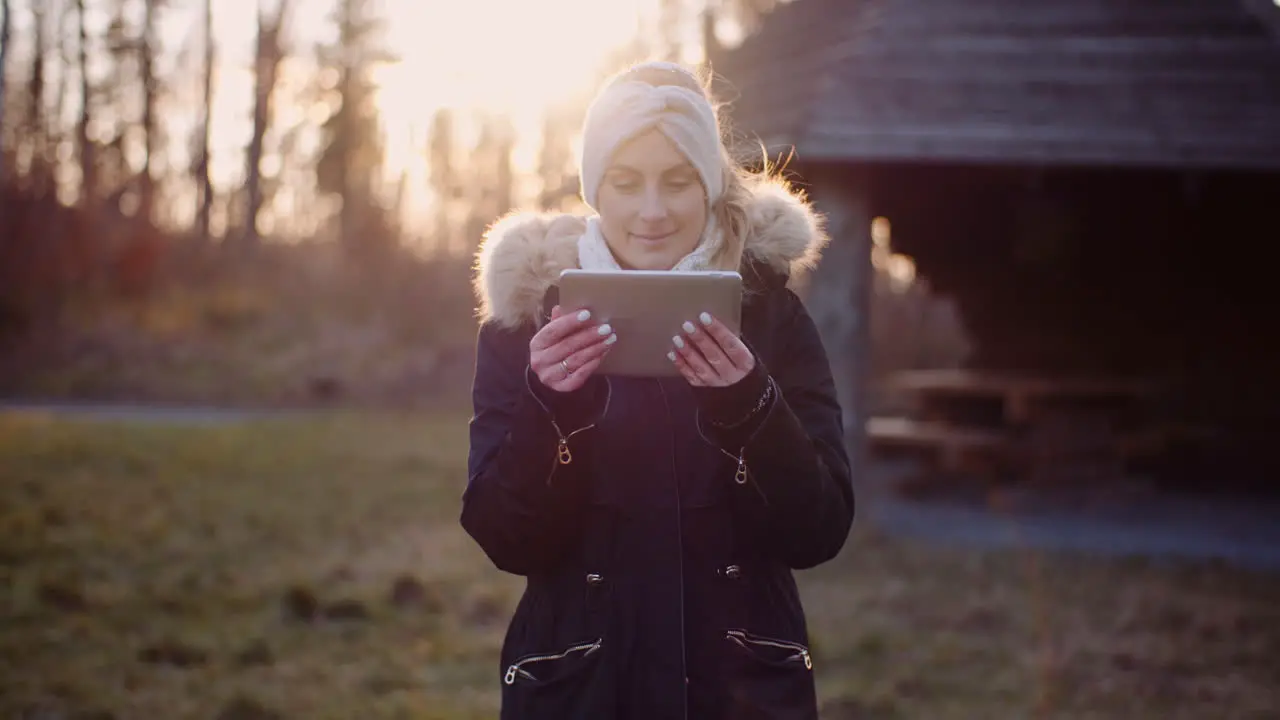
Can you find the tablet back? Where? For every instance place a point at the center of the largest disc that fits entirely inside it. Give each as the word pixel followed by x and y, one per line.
pixel 648 308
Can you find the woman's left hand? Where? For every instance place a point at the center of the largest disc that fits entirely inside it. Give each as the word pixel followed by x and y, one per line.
pixel 709 355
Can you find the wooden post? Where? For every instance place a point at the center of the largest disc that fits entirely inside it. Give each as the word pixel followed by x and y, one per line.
pixel 838 295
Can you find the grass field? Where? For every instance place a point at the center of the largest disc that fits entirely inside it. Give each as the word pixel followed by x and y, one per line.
pixel 315 569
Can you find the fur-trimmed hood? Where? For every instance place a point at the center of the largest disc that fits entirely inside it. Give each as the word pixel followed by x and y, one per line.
pixel 522 255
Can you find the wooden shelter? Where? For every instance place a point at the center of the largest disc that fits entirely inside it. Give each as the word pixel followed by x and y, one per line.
pixel 1094 181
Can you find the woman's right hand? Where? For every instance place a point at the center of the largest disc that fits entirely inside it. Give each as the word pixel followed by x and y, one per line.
pixel 565 352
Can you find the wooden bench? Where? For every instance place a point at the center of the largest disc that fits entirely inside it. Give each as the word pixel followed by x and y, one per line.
pixel 951 447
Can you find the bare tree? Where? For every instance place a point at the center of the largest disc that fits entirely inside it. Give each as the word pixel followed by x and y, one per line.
pixel 504 144
pixel 62 52
pixel 444 178
pixel 113 99
pixel 555 159
pixel 266 70
pixel 489 177
pixel 150 89
pixel 351 161
pixel 35 130
pixel 6 26
pixel 203 181
pixel 85 148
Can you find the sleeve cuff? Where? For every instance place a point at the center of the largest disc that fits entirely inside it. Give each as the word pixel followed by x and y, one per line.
pixel 734 404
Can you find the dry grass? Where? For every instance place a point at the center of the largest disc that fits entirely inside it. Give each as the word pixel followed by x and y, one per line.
pixel 169 572
pixel 272 332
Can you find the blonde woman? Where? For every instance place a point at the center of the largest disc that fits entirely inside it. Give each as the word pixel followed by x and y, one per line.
pixel 657 521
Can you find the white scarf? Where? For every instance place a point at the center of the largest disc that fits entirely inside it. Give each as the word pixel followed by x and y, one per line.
pixel 594 252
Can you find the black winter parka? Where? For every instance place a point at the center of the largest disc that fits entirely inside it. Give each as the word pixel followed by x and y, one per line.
pixel 657 539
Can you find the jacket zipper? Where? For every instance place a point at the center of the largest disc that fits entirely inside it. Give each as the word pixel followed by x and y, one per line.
pixel 563 455
pixel 675 476
pixel 741 475
pixel 517 668
pixel 801 652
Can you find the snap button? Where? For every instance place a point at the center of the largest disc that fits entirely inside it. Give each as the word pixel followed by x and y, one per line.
pixel 594 579
pixel 733 572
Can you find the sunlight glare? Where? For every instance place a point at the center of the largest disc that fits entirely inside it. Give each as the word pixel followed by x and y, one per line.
pixel 501 55
pixel 510 57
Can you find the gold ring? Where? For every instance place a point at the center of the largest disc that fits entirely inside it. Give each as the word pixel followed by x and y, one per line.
pixel 565 364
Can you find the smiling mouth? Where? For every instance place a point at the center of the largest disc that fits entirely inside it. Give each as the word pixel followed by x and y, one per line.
pixel 652 238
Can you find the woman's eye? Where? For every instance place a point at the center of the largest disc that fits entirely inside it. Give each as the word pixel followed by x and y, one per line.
pixel 678 185
pixel 625 186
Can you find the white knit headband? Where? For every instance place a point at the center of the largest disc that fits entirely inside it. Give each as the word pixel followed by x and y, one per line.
pixel 627 109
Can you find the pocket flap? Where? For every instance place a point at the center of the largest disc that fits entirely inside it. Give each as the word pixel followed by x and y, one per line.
pixel 771 651
pixel 547 668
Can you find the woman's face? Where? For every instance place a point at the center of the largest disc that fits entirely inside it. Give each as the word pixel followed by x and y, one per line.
pixel 652 204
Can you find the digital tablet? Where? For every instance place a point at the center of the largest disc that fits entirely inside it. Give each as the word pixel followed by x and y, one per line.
pixel 648 308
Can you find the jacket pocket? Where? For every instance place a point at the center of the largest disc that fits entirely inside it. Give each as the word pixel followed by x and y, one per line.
pixel 769 679
pixel 553 684
pixel 778 653
pixel 551 666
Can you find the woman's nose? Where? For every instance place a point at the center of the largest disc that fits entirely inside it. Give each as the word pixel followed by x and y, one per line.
pixel 653 207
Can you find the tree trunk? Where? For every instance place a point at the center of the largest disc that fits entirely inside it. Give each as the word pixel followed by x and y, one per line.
pixel 202 171
pixel 347 128
pixel 6 24
pixel 88 163
pixel 443 178
pixel 146 184
pixel 266 69
pixel 35 111
pixel 86 240
pixel 504 190
pixel 58 130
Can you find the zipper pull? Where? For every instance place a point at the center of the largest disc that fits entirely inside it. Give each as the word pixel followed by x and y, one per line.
pixel 808 660
pixel 565 456
pixel 510 676
pixel 740 476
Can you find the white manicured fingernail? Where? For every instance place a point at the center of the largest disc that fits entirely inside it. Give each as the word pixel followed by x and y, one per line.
pixel 678 342
pixel 671 356
pixel 705 318
pixel 604 329
pixel 584 316
pixel 612 339
pixel 689 328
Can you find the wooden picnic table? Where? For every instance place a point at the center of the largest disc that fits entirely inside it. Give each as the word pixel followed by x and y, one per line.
pixel 1020 396
pixel 1050 424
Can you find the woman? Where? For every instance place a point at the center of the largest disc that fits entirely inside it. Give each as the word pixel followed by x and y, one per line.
pixel 657 521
